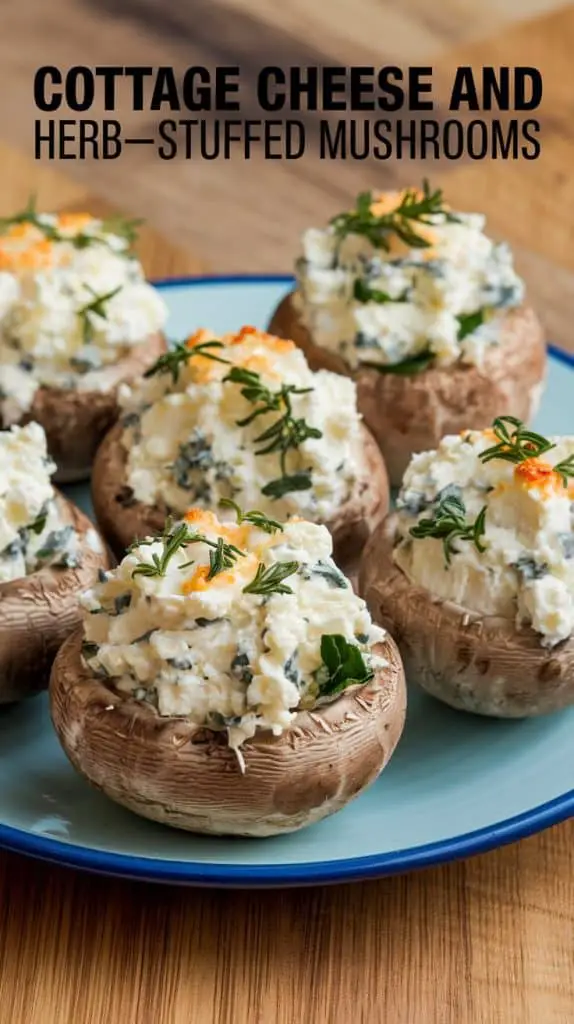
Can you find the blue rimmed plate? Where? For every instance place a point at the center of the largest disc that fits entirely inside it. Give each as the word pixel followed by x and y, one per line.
pixel 457 785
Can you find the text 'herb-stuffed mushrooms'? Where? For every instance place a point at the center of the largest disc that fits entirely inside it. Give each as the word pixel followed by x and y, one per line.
pixel 228 680
pixel 76 319
pixel 474 574
pixel 244 418
pixel 425 311
pixel 49 553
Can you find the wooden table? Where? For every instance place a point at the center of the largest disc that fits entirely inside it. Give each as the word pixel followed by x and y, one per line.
pixel 486 941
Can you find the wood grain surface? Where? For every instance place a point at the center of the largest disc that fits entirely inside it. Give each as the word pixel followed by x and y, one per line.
pixel 487 941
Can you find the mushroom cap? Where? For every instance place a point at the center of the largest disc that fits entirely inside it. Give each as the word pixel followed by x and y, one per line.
pixel 121 521
pixel 188 777
pixel 409 414
pixel 39 611
pixel 75 421
pixel 483 664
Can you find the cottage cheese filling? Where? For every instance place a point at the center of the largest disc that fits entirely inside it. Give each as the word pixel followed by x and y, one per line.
pixel 32 532
pixel 526 570
pixel 444 297
pixel 195 432
pixel 73 301
pixel 207 649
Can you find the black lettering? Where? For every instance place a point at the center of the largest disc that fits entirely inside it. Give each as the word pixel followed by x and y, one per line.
pixel 165 90
pixel 359 142
pixel 524 77
pixel 196 97
pixel 332 140
pixel 65 138
pixel 496 89
pixel 229 137
pixel 226 85
pixel 297 129
pixel 251 135
pixel 452 128
pixel 111 140
pixel 47 76
pixel 40 138
pixel 477 140
pixel 270 138
pixel 409 137
pixel 429 136
pixel 301 86
pixel 166 130
pixel 88 136
pixel 529 129
pixel 417 87
pixel 504 139
pixel 109 75
pixel 464 91
pixel 269 97
pixel 380 131
pixel 333 85
pixel 79 88
pixel 393 95
pixel 137 74
pixel 360 89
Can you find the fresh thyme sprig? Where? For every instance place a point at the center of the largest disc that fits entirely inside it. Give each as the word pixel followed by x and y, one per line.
pixel 180 354
pixel 174 538
pixel 515 445
pixel 254 517
pixel 270 581
pixel 565 469
pixel 448 523
pixel 283 436
pixel 119 226
pixel 39 523
pixel 97 305
pixel 412 209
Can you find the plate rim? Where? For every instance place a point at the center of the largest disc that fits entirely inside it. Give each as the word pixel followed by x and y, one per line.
pixel 347 869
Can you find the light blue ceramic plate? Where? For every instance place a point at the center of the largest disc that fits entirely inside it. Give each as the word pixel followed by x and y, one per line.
pixel 457 785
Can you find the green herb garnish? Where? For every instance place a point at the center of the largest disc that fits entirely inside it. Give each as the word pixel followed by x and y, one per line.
pixel 468 322
pixel 119 226
pixel 406 368
pixel 515 445
pixel 565 469
pixel 270 581
pixel 97 305
pixel 411 210
pixel 180 354
pixel 448 523
pixel 173 538
pixel 39 523
pixel 254 517
pixel 343 666
pixel 283 436
pixel 363 292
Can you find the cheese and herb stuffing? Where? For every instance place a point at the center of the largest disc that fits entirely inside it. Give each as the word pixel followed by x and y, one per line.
pixel 402 282
pixel 32 532
pixel 487 521
pixel 241 417
pixel 232 625
pixel 73 301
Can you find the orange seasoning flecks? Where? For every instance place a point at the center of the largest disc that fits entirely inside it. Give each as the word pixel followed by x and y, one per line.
pixel 534 473
pixel 73 223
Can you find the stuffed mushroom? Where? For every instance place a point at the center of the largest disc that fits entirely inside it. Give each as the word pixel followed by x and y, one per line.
pixel 49 553
pixel 228 680
pixel 474 573
pixel 242 418
pixel 426 313
pixel 77 318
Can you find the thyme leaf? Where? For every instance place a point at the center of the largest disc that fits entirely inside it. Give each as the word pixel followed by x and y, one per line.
pixel 254 517
pixel 270 581
pixel 411 210
pixel 284 435
pixel 97 306
pixel 516 442
pixel 180 354
pixel 407 367
pixel 448 523
pixel 565 469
